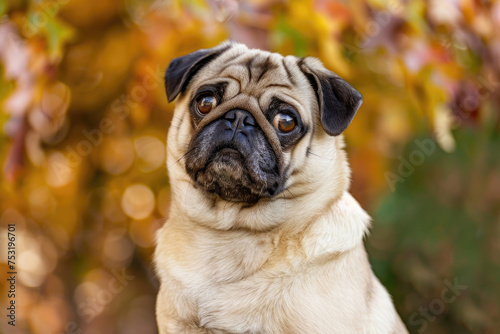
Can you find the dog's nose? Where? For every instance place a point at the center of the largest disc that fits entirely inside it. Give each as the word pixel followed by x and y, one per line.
pixel 240 119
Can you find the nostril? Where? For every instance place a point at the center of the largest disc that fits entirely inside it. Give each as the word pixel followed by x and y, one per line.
pixel 249 120
pixel 230 116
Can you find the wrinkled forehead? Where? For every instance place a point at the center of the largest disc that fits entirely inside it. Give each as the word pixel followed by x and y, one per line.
pixel 261 75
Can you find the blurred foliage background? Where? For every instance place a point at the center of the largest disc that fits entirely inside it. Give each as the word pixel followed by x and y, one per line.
pixel 83 123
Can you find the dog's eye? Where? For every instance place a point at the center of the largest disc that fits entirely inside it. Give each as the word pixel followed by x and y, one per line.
pixel 284 122
pixel 205 103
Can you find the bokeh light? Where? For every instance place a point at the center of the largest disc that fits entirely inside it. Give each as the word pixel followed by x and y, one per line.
pixel 138 201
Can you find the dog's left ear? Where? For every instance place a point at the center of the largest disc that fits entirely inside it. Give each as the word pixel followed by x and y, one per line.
pixel 338 101
pixel 182 69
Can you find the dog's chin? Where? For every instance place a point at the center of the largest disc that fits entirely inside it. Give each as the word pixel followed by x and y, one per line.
pixel 226 176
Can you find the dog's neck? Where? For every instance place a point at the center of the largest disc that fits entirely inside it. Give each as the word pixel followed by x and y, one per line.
pixel 339 229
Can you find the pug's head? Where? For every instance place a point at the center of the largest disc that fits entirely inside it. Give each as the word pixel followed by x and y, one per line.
pixel 247 121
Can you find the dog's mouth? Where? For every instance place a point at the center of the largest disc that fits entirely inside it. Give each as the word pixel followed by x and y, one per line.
pixel 231 152
pixel 226 174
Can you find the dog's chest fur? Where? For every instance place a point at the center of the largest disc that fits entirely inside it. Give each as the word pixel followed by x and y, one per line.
pixel 248 275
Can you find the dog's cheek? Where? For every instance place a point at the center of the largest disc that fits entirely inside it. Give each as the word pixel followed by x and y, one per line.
pixel 296 158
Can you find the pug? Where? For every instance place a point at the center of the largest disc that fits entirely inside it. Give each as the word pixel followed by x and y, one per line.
pixel 262 234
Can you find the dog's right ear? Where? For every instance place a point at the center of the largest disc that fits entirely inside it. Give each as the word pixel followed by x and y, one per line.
pixel 182 69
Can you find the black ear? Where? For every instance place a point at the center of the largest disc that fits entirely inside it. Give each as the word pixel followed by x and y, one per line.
pixel 338 101
pixel 182 69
